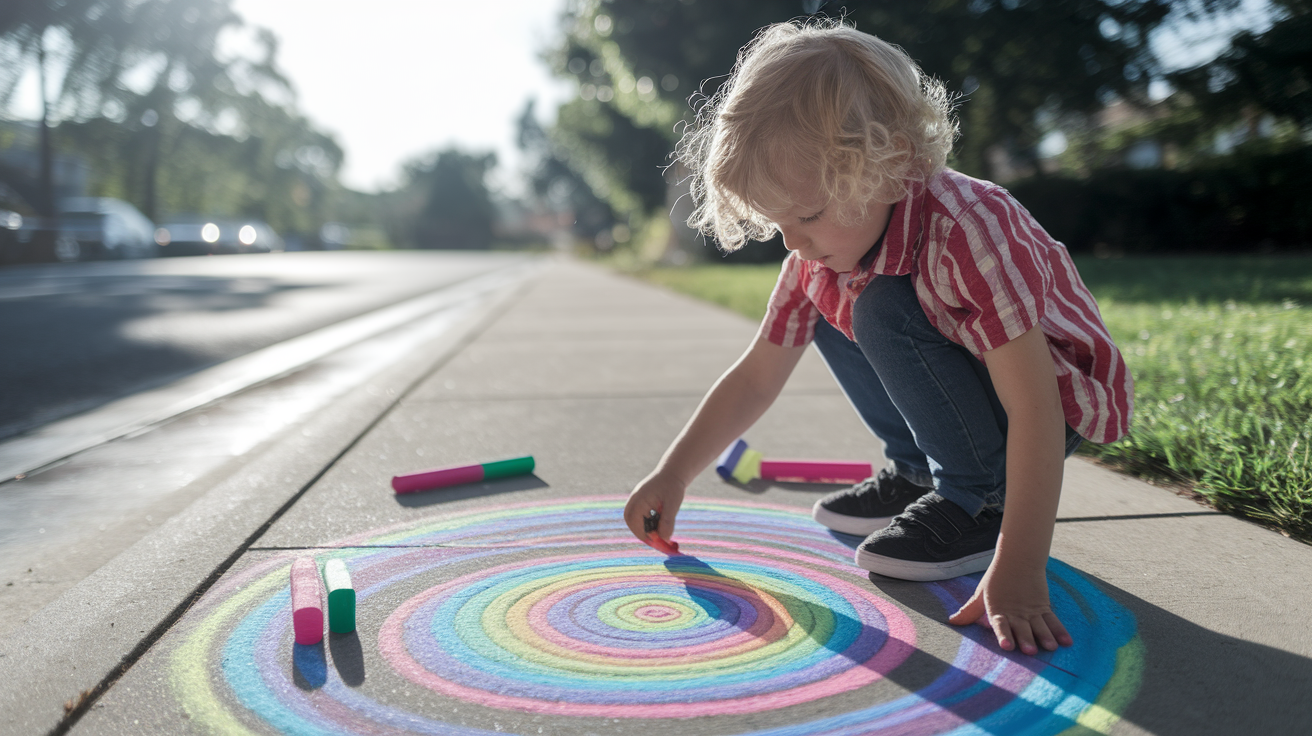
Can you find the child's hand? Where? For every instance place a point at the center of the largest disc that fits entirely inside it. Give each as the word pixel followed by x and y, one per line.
pixel 660 492
pixel 1016 605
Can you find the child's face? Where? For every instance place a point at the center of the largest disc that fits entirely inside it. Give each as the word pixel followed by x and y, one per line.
pixel 812 230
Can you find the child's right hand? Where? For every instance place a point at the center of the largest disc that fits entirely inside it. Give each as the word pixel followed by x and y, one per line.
pixel 658 491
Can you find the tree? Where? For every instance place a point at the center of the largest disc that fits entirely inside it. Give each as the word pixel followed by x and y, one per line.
pixel 167 47
pixel 1269 71
pixel 1008 59
pixel 166 123
pixel 96 35
pixel 446 202
pixel 555 185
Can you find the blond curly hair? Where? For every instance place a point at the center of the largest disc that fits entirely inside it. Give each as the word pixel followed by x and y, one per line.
pixel 815 103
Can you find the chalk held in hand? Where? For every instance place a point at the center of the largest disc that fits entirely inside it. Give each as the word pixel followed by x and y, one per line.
pixel 743 464
pixel 649 524
pixel 456 474
pixel 307 601
pixel 341 597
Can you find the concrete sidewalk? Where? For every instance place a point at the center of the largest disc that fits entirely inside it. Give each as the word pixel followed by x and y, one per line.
pixel 519 606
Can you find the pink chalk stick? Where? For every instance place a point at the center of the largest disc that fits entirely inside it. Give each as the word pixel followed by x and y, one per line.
pixel 816 471
pixel 307 601
pixel 437 478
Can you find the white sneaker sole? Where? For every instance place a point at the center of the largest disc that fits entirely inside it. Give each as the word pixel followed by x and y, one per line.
pixel 923 572
pixel 853 525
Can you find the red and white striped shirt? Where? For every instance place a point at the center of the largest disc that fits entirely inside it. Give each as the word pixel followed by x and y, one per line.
pixel 985 273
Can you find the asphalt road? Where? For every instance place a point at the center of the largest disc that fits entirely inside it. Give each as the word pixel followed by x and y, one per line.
pixel 308 327
pixel 79 335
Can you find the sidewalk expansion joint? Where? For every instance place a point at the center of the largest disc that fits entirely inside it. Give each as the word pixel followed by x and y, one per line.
pixel 80 705
pixel 1132 517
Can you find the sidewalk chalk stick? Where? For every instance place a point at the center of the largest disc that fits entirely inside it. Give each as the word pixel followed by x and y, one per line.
pixel 508 468
pixel 749 467
pixel 653 540
pixel 741 463
pixel 816 471
pixel 341 597
pixel 728 461
pixel 307 601
pixel 456 474
pixel 670 548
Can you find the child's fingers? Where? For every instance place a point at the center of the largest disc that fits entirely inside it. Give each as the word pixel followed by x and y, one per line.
pixel 666 527
pixel 1043 636
pixel 969 613
pixel 1022 634
pixel 1002 630
pixel 1058 630
pixel 635 511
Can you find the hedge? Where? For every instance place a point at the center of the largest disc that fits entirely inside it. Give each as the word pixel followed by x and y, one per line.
pixel 1235 204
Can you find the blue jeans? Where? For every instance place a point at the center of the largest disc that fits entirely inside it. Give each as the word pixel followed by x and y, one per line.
pixel 929 400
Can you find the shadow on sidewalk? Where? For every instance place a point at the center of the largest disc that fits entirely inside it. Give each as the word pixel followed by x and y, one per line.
pixel 1194 681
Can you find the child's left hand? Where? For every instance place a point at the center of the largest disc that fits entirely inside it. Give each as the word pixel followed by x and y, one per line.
pixel 1015 605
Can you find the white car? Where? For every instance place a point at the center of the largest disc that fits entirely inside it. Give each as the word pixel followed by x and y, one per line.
pixel 103 227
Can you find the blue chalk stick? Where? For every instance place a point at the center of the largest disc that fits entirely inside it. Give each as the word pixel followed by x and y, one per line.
pixel 728 461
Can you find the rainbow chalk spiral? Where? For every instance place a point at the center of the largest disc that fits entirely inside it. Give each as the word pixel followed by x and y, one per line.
pixel 551 613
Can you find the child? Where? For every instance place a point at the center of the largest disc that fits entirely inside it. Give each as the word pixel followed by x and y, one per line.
pixel 958 329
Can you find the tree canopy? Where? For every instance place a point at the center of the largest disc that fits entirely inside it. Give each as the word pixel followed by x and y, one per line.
pixel 446 202
pixel 143 91
pixel 1269 71
pixel 639 63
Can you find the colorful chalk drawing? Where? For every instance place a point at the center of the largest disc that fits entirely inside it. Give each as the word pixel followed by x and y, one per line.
pixel 551 610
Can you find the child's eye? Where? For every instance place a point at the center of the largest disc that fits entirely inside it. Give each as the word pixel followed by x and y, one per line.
pixel 812 218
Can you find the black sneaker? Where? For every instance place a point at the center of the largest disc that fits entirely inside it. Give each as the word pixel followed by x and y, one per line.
pixel 934 539
pixel 867 506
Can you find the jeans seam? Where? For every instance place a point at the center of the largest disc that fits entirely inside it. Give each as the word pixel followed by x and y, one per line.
pixel 992 497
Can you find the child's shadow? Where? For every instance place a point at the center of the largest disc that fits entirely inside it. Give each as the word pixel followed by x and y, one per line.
pixel 1194 681
pixel 915 672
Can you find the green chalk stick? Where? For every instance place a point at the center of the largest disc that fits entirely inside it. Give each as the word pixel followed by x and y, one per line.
pixel 341 597
pixel 508 468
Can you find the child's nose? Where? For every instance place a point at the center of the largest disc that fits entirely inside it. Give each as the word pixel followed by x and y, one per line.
pixel 792 239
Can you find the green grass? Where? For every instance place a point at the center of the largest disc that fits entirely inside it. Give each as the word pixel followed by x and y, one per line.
pixel 1221 351
pixel 744 289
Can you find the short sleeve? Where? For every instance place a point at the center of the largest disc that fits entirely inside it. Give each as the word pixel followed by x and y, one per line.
pixel 790 316
pixel 1000 258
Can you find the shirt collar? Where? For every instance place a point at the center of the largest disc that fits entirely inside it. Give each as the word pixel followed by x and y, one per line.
pixel 900 242
pixel 902 238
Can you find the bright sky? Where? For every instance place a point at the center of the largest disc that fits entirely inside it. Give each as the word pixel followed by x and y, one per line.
pixel 393 79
